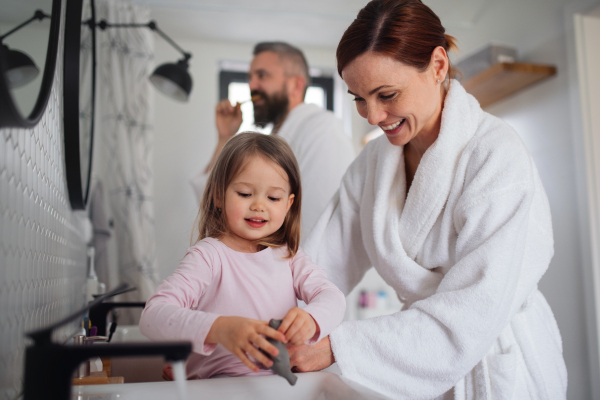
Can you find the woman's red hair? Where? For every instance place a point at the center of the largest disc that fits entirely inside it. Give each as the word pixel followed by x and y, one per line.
pixel 406 30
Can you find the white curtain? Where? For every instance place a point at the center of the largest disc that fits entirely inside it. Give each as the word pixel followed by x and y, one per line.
pixel 124 143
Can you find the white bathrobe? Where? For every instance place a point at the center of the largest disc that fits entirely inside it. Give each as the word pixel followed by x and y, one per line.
pixel 464 252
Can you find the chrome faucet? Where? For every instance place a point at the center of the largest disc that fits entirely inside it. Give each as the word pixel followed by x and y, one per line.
pixel 49 366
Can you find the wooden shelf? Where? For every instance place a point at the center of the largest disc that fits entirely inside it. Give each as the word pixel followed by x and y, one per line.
pixel 503 79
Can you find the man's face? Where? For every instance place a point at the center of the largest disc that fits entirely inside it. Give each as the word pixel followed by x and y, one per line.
pixel 267 79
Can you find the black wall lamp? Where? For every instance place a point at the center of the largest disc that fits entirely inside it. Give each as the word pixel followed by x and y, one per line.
pixel 172 79
pixel 20 67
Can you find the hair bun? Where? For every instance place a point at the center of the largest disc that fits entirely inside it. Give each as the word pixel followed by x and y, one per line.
pixel 451 43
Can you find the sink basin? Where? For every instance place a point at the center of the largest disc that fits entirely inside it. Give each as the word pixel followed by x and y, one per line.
pixel 135 369
pixel 143 381
pixel 128 333
pixel 310 386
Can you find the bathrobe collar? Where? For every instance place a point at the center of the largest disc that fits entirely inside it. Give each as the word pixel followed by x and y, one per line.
pixel 435 175
pixel 395 226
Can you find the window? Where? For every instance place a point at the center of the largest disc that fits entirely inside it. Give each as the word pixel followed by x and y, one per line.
pixel 233 86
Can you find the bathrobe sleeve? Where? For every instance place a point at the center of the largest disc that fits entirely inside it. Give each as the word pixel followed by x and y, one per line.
pixel 336 242
pixel 503 247
pixel 170 314
pixel 325 303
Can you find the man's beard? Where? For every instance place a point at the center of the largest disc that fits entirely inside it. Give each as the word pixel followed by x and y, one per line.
pixel 273 110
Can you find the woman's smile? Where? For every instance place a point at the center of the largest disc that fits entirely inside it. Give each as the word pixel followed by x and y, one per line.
pixel 392 129
pixel 387 93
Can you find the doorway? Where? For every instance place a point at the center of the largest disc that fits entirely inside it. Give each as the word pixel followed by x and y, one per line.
pixel 587 42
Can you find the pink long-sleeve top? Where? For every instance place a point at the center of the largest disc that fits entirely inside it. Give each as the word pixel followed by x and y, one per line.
pixel 213 280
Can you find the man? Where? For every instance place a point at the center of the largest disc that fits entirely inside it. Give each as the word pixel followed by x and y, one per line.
pixel 278 80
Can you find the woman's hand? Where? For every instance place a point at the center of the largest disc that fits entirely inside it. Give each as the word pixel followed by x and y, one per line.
pixel 306 358
pixel 167 373
pixel 242 337
pixel 298 326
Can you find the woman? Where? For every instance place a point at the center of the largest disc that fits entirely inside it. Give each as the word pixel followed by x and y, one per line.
pixel 449 208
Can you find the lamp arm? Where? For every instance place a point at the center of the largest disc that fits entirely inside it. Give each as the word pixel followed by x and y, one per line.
pixel 39 15
pixel 152 25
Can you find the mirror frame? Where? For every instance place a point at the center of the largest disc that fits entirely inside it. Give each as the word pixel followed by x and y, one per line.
pixel 10 116
pixel 78 195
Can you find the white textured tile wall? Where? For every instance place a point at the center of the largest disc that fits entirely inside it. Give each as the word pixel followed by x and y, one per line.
pixel 42 256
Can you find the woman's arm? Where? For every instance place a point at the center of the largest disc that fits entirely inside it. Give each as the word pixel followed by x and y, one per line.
pixel 336 243
pixel 325 302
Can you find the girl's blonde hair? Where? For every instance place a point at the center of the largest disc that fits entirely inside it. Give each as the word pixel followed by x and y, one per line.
pixel 233 158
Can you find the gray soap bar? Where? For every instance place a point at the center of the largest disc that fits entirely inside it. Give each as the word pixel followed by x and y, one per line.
pixel 281 363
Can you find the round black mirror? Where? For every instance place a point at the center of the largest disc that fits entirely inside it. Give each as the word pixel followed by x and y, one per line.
pixel 28 49
pixel 79 93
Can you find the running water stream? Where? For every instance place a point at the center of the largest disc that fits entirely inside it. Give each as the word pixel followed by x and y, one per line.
pixel 179 375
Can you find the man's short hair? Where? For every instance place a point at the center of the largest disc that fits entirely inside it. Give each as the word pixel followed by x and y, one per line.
pixel 292 56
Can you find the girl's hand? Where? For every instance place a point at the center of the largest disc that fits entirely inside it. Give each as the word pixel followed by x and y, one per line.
pixel 242 337
pixel 298 326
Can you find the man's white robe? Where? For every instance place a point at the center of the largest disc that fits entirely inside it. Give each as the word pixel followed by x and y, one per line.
pixel 464 252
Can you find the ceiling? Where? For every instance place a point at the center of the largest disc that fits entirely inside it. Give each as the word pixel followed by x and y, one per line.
pixel 595 13
pixel 321 23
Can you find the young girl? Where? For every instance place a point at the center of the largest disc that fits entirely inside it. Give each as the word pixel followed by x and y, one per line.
pixel 245 268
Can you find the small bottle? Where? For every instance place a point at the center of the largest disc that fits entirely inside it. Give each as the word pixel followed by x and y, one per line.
pixel 362 302
pixel 92 278
pixel 372 300
pixel 382 300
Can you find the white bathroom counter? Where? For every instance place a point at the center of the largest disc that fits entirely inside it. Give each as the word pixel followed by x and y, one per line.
pixel 310 386
pixel 322 385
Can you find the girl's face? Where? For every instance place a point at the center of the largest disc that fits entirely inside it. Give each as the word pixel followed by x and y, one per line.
pixel 256 203
pixel 400 99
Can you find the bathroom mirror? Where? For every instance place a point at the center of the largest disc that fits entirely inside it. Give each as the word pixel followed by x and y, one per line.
pixel 79 92
pixel 29 32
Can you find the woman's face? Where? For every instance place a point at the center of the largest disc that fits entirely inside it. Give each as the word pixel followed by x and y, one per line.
pixel 403 101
